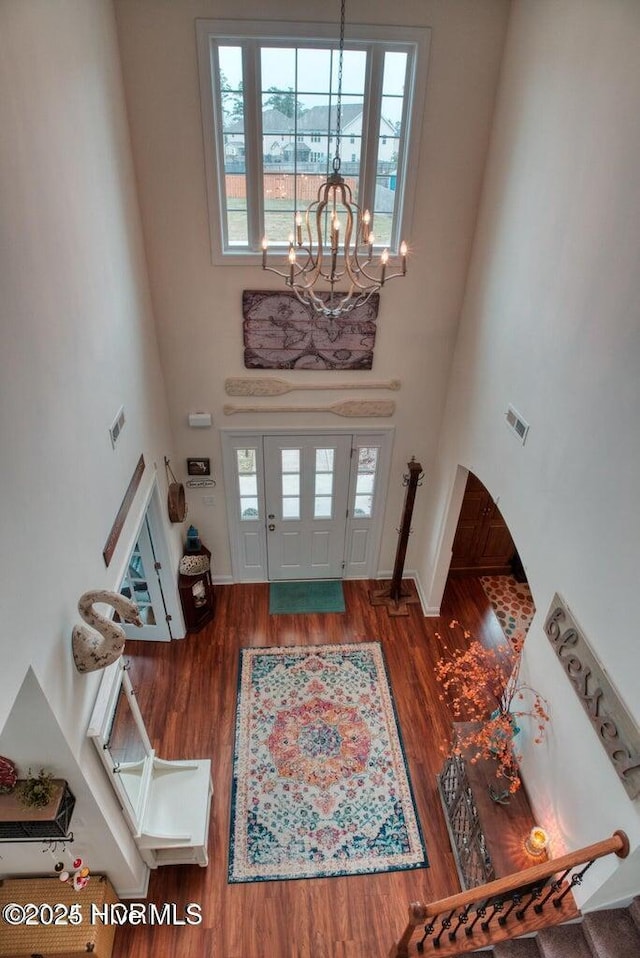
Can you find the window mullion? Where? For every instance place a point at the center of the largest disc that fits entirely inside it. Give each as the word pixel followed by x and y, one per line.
pixel 371 123
pixel 253 141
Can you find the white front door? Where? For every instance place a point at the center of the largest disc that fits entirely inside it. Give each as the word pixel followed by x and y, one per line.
pixel 306 489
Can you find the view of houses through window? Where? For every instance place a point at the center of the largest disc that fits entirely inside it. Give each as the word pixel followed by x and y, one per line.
pixel 281 167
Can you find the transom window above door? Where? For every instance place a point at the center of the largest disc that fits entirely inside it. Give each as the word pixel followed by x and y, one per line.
pixel 269 93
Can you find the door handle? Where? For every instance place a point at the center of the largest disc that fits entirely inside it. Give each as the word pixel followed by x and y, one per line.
pixel 271 526
pixel 271 516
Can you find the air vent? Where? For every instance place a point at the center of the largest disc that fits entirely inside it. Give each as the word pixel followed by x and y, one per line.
pixel 117 426
pixel 517 424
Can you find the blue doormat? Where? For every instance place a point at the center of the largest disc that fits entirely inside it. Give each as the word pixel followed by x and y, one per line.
pixel 322 595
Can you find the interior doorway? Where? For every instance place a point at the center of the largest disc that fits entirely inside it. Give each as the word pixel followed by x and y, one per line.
pixel 484 548
pixel 482 544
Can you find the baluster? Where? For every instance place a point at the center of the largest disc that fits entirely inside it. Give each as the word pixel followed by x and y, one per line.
pixel 428 930
pixel 480 913
pixel 516 899
pixel 576 879
pixel 463 918
pixel 445 926
pixel 535 894
pixel 555 886
pixel 497 908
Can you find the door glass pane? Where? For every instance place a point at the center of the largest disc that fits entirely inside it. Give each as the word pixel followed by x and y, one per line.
pixel 134 586
pixel 291 484
pixel 323 503
pixel 322 507
pixel 363 507
pixel 247 465
pixel 248 485
pixel 249 508
pixel 246 460
pixel 291 460
pixel 324 483
pixel 367 458
pixel 136 569
pixel 365 481
pixel 324 460
pixel 290 507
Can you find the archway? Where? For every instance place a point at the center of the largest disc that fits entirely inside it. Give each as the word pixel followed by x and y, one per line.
pixel 483 549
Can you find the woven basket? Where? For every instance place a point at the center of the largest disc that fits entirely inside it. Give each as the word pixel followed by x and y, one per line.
pixel 57 941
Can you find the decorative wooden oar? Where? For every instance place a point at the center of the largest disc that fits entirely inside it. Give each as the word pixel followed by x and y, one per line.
pixel 278 387
pixel 349 407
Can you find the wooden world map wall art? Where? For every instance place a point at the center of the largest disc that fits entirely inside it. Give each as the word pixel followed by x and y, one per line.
pixel 281 333
pixel 614 726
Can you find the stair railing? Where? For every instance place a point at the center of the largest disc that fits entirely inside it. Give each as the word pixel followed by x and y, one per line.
pixel 507 907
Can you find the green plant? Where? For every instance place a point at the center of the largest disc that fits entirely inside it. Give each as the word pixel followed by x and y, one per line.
pixel 36 791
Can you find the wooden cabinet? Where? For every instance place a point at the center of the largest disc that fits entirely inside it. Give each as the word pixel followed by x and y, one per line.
pixel 482 544
pixel 197 596
pixel 487 838
pixel 65 939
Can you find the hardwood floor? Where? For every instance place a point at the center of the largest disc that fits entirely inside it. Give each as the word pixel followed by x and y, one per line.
pixel 187 692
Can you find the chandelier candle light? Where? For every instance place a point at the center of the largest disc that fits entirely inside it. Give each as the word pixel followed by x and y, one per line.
pixel 316 261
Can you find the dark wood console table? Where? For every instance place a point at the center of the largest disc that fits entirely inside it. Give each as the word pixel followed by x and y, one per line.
pixel 487 838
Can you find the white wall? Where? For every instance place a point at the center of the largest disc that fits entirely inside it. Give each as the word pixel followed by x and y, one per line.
pixel 198 306
pixel 550 324
pixel 76 343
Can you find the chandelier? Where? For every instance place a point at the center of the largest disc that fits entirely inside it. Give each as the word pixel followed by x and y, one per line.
pixel 318 260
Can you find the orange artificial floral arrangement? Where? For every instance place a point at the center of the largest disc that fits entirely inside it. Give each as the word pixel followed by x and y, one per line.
pixel 483 686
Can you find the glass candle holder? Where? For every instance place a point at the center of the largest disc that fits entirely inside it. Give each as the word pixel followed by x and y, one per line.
pixel 536 841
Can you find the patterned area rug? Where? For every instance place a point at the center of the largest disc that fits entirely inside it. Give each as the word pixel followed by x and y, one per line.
pixel 511 601
pixel 320 782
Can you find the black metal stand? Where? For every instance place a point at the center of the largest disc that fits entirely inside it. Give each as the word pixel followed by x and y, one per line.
pixel 394 598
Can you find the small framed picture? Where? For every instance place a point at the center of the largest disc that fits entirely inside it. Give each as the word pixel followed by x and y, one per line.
pixel 199 467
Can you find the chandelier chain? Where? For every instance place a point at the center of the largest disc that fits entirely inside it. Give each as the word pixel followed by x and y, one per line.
pixel 332 242
pixel 336 162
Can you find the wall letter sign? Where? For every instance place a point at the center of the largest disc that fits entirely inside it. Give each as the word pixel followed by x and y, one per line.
pixel 615 728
